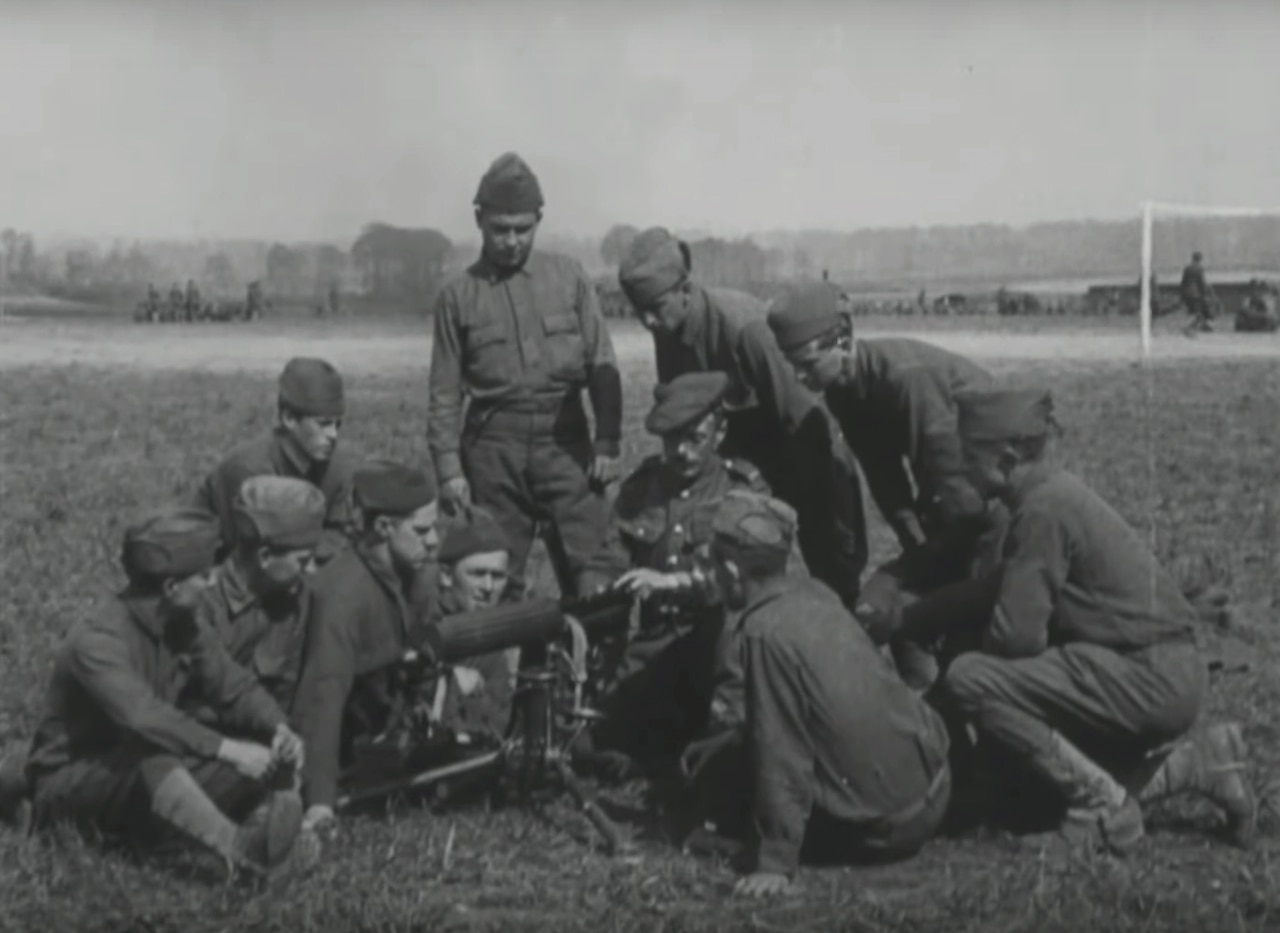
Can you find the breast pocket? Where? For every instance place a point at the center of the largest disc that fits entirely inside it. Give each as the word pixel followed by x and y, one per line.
pixel 642 536
pixel 490 363
pixel 563 337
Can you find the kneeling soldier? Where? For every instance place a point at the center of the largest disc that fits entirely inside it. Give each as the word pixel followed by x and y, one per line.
pixel 361 624
pixel 1090 654
pixel 657 547
pixel 115 753
pixel 840 752
pixel 257 602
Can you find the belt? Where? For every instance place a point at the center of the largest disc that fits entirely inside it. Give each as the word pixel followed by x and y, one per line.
pixel 529 404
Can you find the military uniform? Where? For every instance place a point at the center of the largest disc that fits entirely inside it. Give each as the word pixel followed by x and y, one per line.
pixel 1089 661
pixel 114 751
pixel 309 387
pixel 1194 292
pixel 774 422
pixel 841 754
pixel 522 346
pixel 668 674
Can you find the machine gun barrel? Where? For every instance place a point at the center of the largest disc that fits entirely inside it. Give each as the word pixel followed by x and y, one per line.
pixel 469 634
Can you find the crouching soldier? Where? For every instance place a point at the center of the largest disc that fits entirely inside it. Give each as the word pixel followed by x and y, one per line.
pixel 114 752
pixel 841 755
pixel 657 547
pixel 304 444
pixel 1088 663
pixel 475 562
pixel 361 623
pixel 257 603
pixel 895 402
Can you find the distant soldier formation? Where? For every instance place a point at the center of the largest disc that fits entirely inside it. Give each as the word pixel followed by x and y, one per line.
pixel 187 307
pixel 1022 640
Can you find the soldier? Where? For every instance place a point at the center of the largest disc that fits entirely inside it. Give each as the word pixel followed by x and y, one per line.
pixel 257 603
pixel 840 754
pixel 363 619
pixel 521 334
pixel 115 754
pixel 304 444
pixel 1194 291
pixel 1089 662
pixel 191 302
pixel 894 401
pixel 253 302
pixel 475 562
pixel 657 547
pixel 775 423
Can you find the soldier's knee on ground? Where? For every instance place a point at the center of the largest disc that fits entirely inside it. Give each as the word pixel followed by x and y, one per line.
pixel 968 683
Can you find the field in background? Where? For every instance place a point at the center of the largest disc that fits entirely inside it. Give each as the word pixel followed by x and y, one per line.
pixel 100 420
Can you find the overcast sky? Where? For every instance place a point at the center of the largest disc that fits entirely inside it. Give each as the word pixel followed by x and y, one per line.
pixel 303 119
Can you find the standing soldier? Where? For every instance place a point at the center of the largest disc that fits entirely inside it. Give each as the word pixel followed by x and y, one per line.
pixel 895 402
pixel 253 302
pixel 304 444
pixel 775 424
pixel 657 546
pixel 115 753
pixel 175 303
pixel 1194 291
pixel 363 619
pixel 520 334
pixel 257 603
pixel 839 753
pixel 1089 663
pixel 191 302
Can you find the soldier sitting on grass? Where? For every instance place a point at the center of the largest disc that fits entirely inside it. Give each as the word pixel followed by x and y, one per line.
pixel 114 752
pixel 656 547
pixel 257 603
pixel 840 758
pixel 304 444
pixel 1088 670
pixel 368 609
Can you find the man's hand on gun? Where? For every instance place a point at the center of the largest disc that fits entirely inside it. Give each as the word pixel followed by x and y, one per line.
pixel 643 582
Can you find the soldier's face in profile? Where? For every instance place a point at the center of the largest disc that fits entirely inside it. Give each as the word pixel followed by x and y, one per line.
pixel 668 312
pixel 477 581
pixel 414 540
pixel 986 465
pixel 817 364
pixel 283 569
pixel 688 451
pixel 508 238
pixel 316 436
pixel 182 594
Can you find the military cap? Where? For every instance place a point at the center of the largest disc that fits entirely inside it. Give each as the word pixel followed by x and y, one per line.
pixel 1003 414
pixel 656 263
pixel 312 387
pixel 685 400
pixel 804 313
pixel 279 511
pixel 509 187
pixel 753 522
pixel 175 541
pixel 475 533
pixel 389 488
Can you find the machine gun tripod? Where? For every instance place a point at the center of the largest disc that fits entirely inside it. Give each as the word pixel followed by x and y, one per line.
pixel 549 710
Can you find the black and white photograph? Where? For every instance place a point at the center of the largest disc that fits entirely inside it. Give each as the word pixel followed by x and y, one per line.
pixel 686 465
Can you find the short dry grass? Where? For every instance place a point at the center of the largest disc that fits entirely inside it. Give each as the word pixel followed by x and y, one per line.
pixel 1187 452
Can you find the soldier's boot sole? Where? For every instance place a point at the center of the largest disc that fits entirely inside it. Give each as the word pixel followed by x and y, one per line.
pixel 1213 765
pixel 265 841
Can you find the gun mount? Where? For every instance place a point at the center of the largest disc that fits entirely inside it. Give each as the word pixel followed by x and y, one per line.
pixel 549 708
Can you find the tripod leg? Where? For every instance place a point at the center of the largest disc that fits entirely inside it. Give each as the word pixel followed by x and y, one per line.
pixel 608 829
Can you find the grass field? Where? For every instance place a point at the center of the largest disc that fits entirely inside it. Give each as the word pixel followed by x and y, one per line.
pixel 101 420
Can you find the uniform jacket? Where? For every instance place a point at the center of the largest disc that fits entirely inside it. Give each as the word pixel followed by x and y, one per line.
pixel 1073 570
pixel 276 454
pixel 359 626
pixel 897 411
pixel 120 676
pixel 534 334
pixel 829 723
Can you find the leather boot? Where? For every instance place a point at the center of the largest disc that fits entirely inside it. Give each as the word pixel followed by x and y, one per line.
pixel 1100 812
pixel 1211 764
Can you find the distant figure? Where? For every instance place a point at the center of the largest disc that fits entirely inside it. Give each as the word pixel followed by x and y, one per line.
pixel 335 299
pixel 253 302
pixel 191 302
pixel 1194 291
pixel 175 302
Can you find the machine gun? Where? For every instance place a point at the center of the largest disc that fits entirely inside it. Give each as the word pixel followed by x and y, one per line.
pixel 549 709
